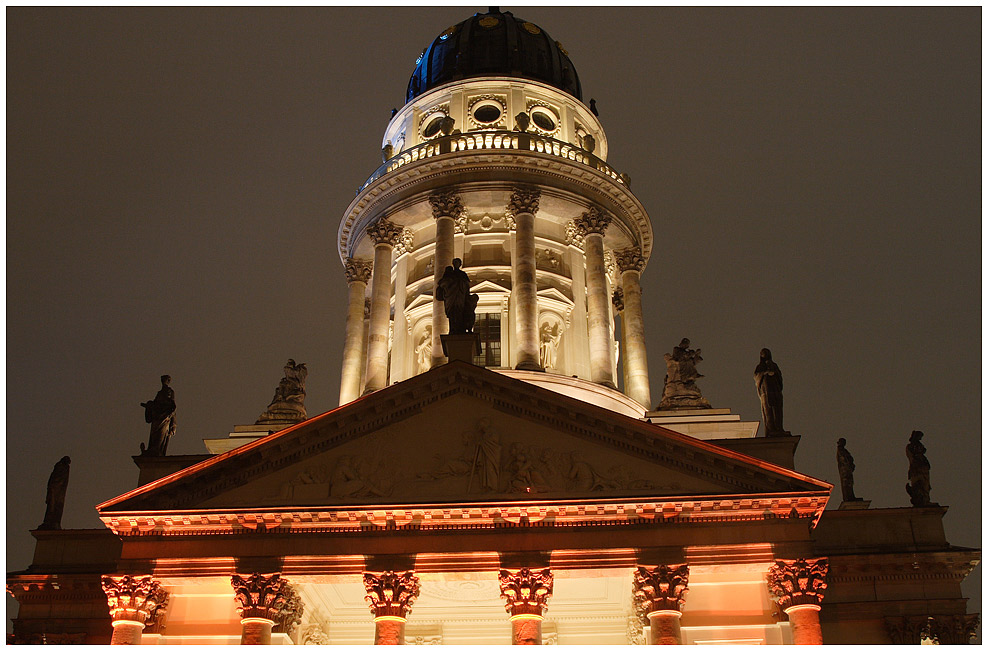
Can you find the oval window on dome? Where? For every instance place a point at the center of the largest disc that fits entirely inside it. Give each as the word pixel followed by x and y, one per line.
pixel 544 119
pixel 487 113
pixel 433 126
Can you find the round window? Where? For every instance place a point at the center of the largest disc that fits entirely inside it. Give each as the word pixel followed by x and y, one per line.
pixel 433 126
pixel 486 113
pixel 545 120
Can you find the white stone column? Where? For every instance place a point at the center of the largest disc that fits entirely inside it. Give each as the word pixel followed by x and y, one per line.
pixel 401 357
pixel 134 601
pixel 592 225
pixel 357 272
pixel 447 208
pixel 522 207
pixel 384 234
pixel 636 371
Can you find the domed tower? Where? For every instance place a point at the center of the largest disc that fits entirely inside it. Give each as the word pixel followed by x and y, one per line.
pixel 495 160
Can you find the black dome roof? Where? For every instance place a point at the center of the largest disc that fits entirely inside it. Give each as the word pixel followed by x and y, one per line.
pixel 494 44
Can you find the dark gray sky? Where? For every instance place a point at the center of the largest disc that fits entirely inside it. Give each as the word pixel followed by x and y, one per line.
pixel 175 178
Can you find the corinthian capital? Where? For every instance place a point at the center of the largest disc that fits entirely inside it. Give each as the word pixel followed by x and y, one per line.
pixel 630 258
pixel 384 231
pixel 798 582
pixel 446 205
pixel 259 596
pixel 356 269
pixel 390 594
pixel 134 598
pixel 659 588
pixel 593 221
pixel 523 200
pixel 527 591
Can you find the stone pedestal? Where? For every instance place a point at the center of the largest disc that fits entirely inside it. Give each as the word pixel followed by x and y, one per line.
pixel 461 346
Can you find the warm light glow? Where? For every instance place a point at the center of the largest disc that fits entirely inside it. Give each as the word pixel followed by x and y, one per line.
pixel 401 620
pixel 257 620
pixel 805 606
pixel 127 622
pixel 672 613
pixel 517 617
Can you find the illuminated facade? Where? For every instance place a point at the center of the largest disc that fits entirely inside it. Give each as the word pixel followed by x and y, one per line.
pixel 523 494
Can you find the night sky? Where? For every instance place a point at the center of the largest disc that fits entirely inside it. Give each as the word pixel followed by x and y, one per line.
pixel 175 178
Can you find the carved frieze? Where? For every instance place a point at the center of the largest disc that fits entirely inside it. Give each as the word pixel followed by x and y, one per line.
pixel 523 200
pixel 135 598
pixel 527 591
pixel 798 582
pixel 446 204
pixel 384 231
pixel 593 221
pixel 261 597
pixel 659 588
pixel 390 594
pixel 630 258
pixel 356 269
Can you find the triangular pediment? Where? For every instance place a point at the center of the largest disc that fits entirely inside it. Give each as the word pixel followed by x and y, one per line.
pixel 463 434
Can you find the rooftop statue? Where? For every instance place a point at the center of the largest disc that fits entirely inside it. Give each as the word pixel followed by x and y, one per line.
pixel 679 388
pixel 919 485
pixel 55 499
pixel 846 467
pixel 160 413
pixel 287 404
pixel 770 387
pixel 454 290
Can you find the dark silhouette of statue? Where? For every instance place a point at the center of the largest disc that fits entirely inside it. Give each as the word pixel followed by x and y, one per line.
pixel 919 486
pixel 287 406
pixel 846 467
pixel 454 290
pixel 55 499
pixel 770 387
pixel 679 388
pixel 160 413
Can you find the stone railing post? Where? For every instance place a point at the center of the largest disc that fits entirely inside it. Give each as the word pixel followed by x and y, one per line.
pixel 134 602
pixel 637 374
pixel 592 225
pixel 447 209
pixel 658 593
pixel 262 602
pixel 390 596
pixel 384 234
pixel 522 208
pixel 798 587
pixel 526 593
pixel 357 272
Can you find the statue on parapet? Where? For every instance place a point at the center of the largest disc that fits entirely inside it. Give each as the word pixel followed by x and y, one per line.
pixel 770 387
pixel 287 406
pixel 919 486
pixel 459 303
pixel 55 499
pixel 846 467
pixel 679 388
pixel 160 413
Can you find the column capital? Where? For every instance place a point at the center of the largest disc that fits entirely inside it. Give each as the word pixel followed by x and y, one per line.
pixel 659 588
pixel 523 200
pixel 798 582
pixel 446 204
pixel 384 232
pixel 357 269
pixel 391 594
pixel 630 258
pixel 593 221
pixel 618 300
pixel 135 598
pixel 264 597
pixel 527 591
pixel 952 628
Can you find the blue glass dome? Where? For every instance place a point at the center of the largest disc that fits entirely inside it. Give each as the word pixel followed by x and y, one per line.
pixel 494 44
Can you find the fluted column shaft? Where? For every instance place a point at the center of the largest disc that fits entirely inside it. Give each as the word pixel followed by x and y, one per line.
pixel 447 207
pixel 358 272
pixel 593 224
pixel 384 234
pixel 637 374
pixel 523 206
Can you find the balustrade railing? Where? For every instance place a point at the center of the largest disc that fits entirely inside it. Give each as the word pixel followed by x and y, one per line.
pixel 494 140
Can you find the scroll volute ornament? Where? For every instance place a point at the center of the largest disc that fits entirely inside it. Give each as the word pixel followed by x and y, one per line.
pixel 135 598
pixel 523 201
pixel 527 591
pixel 384 231
pixel 258 596
pixel 390 594
pixel 798 582
pixel 659 588
pixel 446 205
pixel 630 258
pixel 356 269
pixel 593 221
